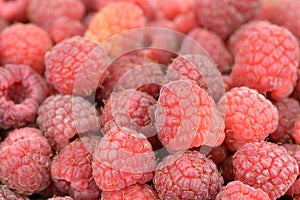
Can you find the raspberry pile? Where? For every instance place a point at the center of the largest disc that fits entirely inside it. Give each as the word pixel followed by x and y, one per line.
pixel 149 99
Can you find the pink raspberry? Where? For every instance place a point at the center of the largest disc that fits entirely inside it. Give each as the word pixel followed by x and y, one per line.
pixel 14 10
pixel 289 112
pixel 62 117
pixel 44 12
pixel 261 49
pixel 266 166
pixel 122 158
pixel 187 117
pixel 22 90
pixel 224 16
pixel 133 192
pixel 249 117
pixel 212 43
pixel 238 190
pixel 187 175
pixel 25 161
pixel 6 193
pixel 71 169
pixel 63 28
pixel 293 150
pixel 24 44
pixel 76 66
pixel 131 109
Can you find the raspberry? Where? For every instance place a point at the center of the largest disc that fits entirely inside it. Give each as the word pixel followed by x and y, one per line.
pixel 212 43
pixel 71 170
pixel 187 175
pixel 186 117
pixel 131 109
pixel 294 190
pixel 63 28
pixel 296 131
pixel 44 12
pixel 122 158
pixel 266 166
pixel 293 150
pixel 6 193
pixel 76 66
pixel 266 59
pixel 13 10
pixel 61 117
pixel 61 198
pixel 249 117
pixel 288 110
pixel 22 90
pixel 132 71
pixel 238 190
pixel 223 16
pixel 226 168
pixel 24 44
pixel 137 191
pixel 25 161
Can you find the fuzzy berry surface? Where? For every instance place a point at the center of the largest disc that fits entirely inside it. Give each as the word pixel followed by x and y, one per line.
pixel 249 117
pixel 24 44
pixel 187 175
pixel 266 166
pixel 63 117
pixel 76 66
pixel 25 161
pixel 22 90
pixel 6 193
pixel 122 158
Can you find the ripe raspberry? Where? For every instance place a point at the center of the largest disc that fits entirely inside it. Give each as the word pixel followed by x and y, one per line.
pixel 131 109
pixel 71 170
pixel 122 158
pixel 61 117
pixel 186 117
pixel 293 150
pixel 223 16
pixel 187 175
pixel 13 10
pixel 44 12
pixel 133 192
pixel 266 58
pixel 226 168
pixel 22 90
pixel 266 166
pixel 76 66
pixel 289 112
pixel 249 117
pixel 61 198
pixel 132 71
pixel 25 161
pixel 212 43
pixel 63 28
pixel 238 190
pixel 296 131
pixel 24 44
pixel 6 193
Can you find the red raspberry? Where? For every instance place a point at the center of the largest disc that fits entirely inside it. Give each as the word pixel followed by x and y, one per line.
pixel 6 193
pixel 249 117
pixel 289 112
pixel 261 49
pixel 63 28
pixel 44 12
pixel 22 90
pixel 226 168
pixel 224 16
pixel 133 192
pixel 76 66
pixel 122 158
pixel 266 166
pixel 61 198
pixel 13 10
pixel 212 43
pixel 25 161
pixel 113 19
pixel 296 131
pixel 24 44
pixel 186 117
pixel 71 170
pixel 187 175
pixel 293 150
pixel 131 109
pixel 238 190
pixel 61 117
pixel 132 71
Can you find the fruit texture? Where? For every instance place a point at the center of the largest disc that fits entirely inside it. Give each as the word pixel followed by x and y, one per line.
pixel 14 10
